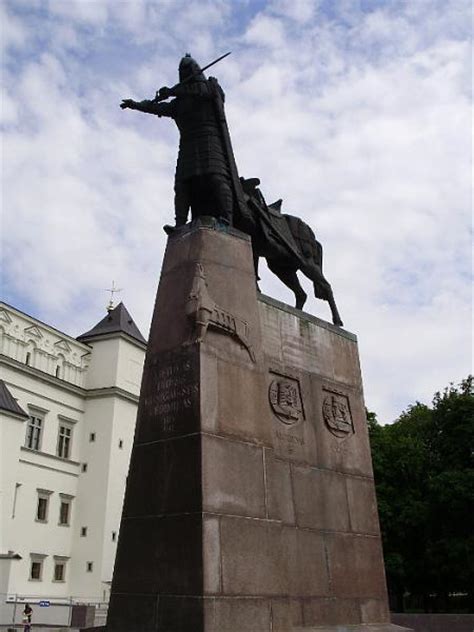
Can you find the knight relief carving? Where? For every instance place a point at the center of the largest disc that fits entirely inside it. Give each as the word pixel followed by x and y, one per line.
pixel 205 313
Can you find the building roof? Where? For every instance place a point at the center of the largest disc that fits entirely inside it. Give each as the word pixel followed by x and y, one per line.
pixel 9 403
pixel 118 320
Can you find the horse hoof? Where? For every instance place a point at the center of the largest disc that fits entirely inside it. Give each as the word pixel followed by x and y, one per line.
pixel 338 322
pixel 301 301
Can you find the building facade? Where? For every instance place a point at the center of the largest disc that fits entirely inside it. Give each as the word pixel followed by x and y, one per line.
pixel 67 419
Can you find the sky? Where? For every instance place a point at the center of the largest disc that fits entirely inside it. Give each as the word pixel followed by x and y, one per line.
pixel 355 112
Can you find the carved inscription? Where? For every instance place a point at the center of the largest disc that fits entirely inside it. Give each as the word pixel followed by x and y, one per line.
pixel 289 443
pixel 174 391
pixel 340 448
pixel 337 413
pixel 285 399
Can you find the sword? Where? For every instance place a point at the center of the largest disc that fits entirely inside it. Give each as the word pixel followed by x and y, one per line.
pixel 159 97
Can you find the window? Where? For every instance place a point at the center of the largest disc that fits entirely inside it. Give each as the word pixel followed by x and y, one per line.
pixel 56 371
pixel 42 511
pixel 121 444
pixel 33 432
pixel 59 572
pixel 64 440
pixel 36 570
pixel 65 510
pixel 114 536
pixel 42 505
pixel 36 567
pixel 59 569
pixel 83 532
pixel 92 437
pixel 28 358
pixel 84 467
pixel 90 567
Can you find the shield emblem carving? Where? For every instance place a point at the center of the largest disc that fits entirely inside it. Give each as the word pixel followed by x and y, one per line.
pixel 337 414
pixel 285 400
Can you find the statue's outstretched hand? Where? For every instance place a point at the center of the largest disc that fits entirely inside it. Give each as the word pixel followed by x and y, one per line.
pixel 163 93
pixel 127 103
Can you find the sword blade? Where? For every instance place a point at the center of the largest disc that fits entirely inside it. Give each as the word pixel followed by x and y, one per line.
pixel 215 61
pixel 158 98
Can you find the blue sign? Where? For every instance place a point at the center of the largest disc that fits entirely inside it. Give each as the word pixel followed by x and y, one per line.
pixel 44 604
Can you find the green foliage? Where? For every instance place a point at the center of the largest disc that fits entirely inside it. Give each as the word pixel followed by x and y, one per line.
pixel 424 475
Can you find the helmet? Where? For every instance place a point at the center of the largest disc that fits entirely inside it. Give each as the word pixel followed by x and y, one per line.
pixel 189 66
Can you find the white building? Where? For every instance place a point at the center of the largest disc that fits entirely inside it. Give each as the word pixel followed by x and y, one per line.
pixel 67 418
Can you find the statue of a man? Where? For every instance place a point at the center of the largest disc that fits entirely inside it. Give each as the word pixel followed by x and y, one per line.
pixel 205 170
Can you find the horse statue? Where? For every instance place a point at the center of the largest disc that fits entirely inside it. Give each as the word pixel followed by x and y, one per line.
pixel 287 243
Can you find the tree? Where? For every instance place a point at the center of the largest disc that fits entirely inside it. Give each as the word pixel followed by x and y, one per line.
pixel 424 475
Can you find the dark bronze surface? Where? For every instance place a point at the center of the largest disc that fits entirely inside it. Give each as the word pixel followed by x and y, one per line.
pixel 208 184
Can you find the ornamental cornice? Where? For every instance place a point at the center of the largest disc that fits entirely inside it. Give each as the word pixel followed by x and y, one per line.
pixel 19 326
pixel 54 457
pixel 115 335
pixel 112 391
pixel 42 376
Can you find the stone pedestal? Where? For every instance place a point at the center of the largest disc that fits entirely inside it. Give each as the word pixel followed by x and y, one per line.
pixel 250 502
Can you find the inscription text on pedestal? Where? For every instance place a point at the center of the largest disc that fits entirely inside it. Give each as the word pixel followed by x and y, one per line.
pixel 174 391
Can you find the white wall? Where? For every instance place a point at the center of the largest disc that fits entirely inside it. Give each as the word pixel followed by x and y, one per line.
pixel 12 431
pixel 102 371
pixel 130 366
pixel 92 498
pixel 113 364
pixel 122 434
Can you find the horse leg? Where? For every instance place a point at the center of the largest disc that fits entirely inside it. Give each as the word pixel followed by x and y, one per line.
pixel 323 290
pixel 289 277
pixel 336 319
pixel 256 257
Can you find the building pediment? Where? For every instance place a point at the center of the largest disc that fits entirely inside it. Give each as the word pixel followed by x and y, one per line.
pixel 5 317
pixel 34 331
pixel 63 345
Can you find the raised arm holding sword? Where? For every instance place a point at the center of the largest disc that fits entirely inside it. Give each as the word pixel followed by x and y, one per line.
pixel 206 177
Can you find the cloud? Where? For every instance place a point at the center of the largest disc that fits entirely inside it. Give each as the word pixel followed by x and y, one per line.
pixel 265 31
pixel 95 13
pixel 300 11
pixel 14 33
pixel 358 119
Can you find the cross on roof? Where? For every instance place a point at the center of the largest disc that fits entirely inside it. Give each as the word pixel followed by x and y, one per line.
pixel 113 290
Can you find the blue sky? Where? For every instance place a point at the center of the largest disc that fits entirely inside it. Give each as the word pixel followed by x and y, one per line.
pixel 356 113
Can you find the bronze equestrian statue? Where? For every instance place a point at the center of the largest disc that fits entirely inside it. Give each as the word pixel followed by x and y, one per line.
pixel 288 244
pixel 207 183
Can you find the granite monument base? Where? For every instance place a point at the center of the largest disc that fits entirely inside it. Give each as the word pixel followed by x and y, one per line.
pixel 250 503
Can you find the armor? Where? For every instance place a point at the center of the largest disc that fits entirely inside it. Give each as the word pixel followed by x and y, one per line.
pixel 205 168
pixel 201 150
